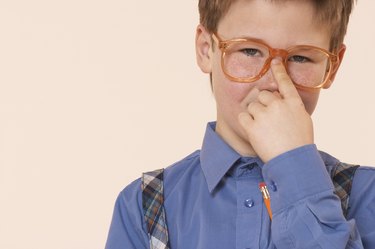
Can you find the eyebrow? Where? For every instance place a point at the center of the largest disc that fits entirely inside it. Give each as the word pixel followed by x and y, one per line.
pixel 245 37
pixel 240 38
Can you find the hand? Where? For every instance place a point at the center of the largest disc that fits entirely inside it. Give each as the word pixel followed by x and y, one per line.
pixel 277 122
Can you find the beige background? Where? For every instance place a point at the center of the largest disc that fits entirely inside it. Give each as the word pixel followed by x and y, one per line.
pixel 92 93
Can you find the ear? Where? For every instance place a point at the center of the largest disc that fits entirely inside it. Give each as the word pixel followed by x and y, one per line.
pixel 203 49
pixel 336 66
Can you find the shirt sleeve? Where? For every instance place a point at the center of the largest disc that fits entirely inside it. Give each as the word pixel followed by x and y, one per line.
pixel 306 212
pixel 128 229
pixel 362 204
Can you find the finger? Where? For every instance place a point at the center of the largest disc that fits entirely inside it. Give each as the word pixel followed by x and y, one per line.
pixel 266 97
pixel 250 97
pixel 255 108
pixel 277 94
pixel 245 120
pixel 286 86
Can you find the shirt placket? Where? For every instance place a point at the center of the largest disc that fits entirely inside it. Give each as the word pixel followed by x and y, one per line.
pixel 249 207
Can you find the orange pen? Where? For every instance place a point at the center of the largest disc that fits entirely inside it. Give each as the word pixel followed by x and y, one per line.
pixel 266 197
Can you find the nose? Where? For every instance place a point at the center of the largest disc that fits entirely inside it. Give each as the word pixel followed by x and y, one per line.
pixel 267 82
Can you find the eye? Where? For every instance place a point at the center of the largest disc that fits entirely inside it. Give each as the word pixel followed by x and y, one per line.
pixel 250 51
pixel 299 59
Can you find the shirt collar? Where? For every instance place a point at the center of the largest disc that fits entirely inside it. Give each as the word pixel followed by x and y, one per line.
pixel 216 157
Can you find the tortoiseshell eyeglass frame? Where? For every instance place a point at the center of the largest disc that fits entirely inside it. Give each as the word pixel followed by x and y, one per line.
pixel 273 53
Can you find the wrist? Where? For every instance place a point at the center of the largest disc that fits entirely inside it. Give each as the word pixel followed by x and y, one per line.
pixel 295 175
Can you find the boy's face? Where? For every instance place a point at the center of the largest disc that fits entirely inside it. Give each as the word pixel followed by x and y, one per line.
pixel 280 25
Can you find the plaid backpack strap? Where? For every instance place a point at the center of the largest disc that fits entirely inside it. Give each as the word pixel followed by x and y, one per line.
pixel 342 177
pixel 153 208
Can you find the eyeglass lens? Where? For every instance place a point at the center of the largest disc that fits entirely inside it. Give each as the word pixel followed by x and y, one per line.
pixel 306 66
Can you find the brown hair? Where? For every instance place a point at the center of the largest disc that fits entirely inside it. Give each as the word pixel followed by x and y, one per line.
pixel 333 12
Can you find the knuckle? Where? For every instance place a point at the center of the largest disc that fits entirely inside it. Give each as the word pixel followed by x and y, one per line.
pixel 253 107
pixel 250 107
pixel 277 103
pixel 263 94
pixel 266 96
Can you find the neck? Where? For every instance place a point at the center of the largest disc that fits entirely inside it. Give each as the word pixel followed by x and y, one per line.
pixel 235 140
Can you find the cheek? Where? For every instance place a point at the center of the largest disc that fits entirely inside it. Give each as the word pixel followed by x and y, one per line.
pixel 242 69
pixel 226 90
pixel 310 100
pixel 229 94
pixel 311 76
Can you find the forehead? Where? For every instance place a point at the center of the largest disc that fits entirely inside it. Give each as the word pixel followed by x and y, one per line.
pixel 279 23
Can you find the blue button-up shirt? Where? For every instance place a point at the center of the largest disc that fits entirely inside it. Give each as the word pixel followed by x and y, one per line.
pixel 212 200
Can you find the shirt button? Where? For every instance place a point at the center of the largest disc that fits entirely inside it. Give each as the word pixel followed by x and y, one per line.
pixel 249 203
pixel 273 186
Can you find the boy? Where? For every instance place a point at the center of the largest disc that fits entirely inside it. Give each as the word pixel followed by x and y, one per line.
pixel 268 61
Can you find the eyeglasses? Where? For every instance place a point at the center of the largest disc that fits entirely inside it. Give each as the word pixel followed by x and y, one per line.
pixel 247 60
